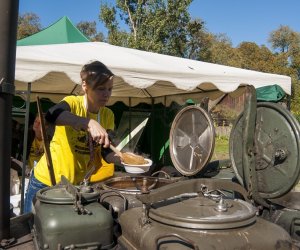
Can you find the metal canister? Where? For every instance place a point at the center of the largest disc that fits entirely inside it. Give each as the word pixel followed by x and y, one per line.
pixel 65 219
pixel 189 214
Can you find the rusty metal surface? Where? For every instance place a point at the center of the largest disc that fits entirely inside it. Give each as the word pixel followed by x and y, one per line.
pixel 290 200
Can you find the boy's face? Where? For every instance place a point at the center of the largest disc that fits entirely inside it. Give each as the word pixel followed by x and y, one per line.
pixel 99 96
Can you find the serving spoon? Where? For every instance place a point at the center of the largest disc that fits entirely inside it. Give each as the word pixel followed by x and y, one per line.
pixel 129 158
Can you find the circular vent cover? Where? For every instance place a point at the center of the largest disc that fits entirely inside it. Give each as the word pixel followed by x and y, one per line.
pixel 192 140
pixel 276 150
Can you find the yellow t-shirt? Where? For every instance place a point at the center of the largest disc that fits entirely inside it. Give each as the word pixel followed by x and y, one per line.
pixel 70 149
pixel 36 152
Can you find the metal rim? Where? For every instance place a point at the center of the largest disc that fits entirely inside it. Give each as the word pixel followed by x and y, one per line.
pixel 190 214
pixel 192 140
pixel 132 189
pixel 59 195
pixel 274 180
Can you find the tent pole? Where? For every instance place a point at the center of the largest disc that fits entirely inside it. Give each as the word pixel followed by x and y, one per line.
pixel 8 31
pixel 152 129
pixel 130 122
pixel 289 100
pixel 25 142
pixel 165 128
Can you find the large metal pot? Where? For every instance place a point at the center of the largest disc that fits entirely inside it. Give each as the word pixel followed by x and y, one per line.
pixel 119 193
pixel 195 214
pixel 191 145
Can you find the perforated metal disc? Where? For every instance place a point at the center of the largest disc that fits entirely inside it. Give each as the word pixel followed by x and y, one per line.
pixel 192 140
pixel 276 149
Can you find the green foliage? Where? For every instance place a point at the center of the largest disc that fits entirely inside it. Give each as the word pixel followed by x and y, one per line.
pixel 89 29
pixel 287 42
pixel 221 51
pixel 28 24
pixel 258 58
pixel 284 38
pixel 157 26
pixel 297 115
pixel 223 112
pixel 295 104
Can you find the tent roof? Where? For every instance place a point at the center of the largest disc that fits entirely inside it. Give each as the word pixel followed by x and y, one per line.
pixel 62 31
pixel 54 70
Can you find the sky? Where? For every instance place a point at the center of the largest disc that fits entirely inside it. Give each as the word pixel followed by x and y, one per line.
pixel 240 20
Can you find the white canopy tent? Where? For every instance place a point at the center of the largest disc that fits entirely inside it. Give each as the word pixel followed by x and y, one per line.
pixel 53 71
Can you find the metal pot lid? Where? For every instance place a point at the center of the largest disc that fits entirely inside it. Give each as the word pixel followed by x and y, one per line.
pixel 192 140
pixel 204 213
pixel 60 195
pixel 134 185
pixel 277 150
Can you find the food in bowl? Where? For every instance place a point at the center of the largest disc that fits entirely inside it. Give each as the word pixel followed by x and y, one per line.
pixel 138 168
pixel 133 159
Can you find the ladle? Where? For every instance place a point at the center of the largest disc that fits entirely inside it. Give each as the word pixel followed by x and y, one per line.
pixel 129 158
pixel 46 143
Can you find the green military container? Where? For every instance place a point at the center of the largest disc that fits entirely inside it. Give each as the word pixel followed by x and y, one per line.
pixel 66 217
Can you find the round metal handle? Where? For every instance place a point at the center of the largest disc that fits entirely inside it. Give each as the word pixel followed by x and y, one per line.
pixel 105 192
pixel 185 240
pixel 167 176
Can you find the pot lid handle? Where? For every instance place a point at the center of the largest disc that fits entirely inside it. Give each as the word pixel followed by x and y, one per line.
pixel 190 186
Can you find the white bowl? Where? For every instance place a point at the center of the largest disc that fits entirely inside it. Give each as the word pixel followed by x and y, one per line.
pixel 137 169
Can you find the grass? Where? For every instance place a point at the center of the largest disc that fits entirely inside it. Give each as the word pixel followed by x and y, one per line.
pixel 221 148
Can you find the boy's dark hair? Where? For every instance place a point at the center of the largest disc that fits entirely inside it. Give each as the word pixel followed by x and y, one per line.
pixel 95 74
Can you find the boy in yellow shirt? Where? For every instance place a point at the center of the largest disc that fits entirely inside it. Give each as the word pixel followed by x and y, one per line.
pixel 77 118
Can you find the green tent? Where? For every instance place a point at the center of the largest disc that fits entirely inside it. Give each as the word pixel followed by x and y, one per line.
pixel 272 93
pixel 62 31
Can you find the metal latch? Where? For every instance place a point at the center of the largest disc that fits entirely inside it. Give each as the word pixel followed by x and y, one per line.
pixel 78 206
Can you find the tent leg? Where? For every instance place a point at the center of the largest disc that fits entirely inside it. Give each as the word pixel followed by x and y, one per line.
pixel 8 31
pixel 25 142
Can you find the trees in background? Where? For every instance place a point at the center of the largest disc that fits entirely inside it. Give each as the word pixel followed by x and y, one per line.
pixel 286 44
pixel 284 39
pixel 165 26
pixel 28 24
pixel 89 29
pixel 157 26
